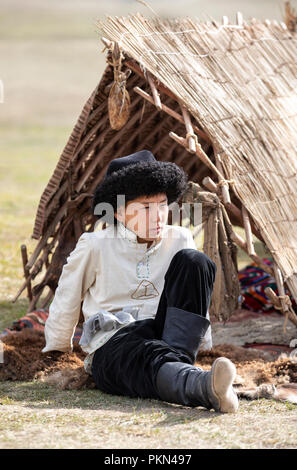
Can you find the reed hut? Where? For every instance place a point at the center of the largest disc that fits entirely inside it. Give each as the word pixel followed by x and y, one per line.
pixel 219 100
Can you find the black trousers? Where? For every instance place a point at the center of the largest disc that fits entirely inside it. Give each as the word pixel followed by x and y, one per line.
pixel 128 363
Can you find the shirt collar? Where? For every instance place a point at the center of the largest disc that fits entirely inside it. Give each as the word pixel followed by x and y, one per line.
pixel 124 232
pixel 131 237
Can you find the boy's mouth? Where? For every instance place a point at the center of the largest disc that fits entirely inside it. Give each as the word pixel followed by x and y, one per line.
pixel 155 230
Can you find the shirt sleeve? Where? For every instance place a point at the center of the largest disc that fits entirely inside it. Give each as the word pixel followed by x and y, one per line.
pixel 78 274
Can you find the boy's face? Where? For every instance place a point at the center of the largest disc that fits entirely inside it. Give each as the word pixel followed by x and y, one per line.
pixel 145 216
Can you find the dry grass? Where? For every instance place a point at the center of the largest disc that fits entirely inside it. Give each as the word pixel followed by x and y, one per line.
pixel 90 419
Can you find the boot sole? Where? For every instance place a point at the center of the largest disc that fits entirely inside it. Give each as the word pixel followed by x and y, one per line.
pixel 222 378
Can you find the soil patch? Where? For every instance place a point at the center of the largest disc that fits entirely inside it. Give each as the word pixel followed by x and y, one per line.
pixel 23 361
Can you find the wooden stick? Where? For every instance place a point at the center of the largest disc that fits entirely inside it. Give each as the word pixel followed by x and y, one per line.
pixel 47 234
pixel 171 112
pixel 107 43
pixel 210 184
pixel 199 152
pixel 224 185
pixel 26 270
pixel 35 271
pixel 226 198
pixel 37 266
pixel 272 296
pixel 33 302
pixel 211 248
pixel 190 133
pixel 280 286
pixel 276 301
pixel 238 214
pixel 206 160
pixel 224 251
pixel 248 232
pixel 156 96
pixel 242 244
pixel 162 88
pixel 35 299
pixel 238 240
pixel 47 299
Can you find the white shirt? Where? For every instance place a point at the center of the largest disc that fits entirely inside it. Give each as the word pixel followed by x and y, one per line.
pixel 109 269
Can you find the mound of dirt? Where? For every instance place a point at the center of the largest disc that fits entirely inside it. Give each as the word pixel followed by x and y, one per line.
pixel 23 360
pixel 254 367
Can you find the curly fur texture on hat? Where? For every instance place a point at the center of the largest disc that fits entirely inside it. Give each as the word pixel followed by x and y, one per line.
pixel 142 179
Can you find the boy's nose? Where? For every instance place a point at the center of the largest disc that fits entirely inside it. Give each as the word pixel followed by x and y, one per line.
pixel 156 215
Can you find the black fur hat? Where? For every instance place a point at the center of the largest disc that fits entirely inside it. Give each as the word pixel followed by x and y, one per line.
pixel 140 174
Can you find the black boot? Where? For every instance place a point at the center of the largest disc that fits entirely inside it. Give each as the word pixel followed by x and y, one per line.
pixel 184 330
pixel 186 384
pixel 183 384
pixel 191 386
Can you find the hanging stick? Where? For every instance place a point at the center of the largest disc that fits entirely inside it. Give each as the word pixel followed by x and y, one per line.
pixel 199 152
pixel 277 302
pixel 281 293
pixel 222 183
pixel 210 184
pixel 206 160
pixel 155 93
pixel 191 138
pixel 107 43
pixel 248 232
pixel 213 187
pixel 243 245
pixel 171 112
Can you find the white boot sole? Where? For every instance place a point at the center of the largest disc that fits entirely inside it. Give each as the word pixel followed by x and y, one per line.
pixel 223 375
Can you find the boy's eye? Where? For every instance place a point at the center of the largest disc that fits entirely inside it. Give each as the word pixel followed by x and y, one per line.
pixel 161 205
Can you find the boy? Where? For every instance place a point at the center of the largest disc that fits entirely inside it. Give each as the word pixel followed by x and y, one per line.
pixel 146 291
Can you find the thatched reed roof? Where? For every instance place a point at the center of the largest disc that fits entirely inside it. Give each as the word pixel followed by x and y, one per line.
pixel 238 84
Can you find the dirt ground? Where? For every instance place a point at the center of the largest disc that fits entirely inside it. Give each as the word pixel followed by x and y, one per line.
pixel 23 359
pixel 67 412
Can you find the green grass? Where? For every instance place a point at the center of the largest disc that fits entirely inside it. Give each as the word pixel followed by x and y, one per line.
pixel 28 156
